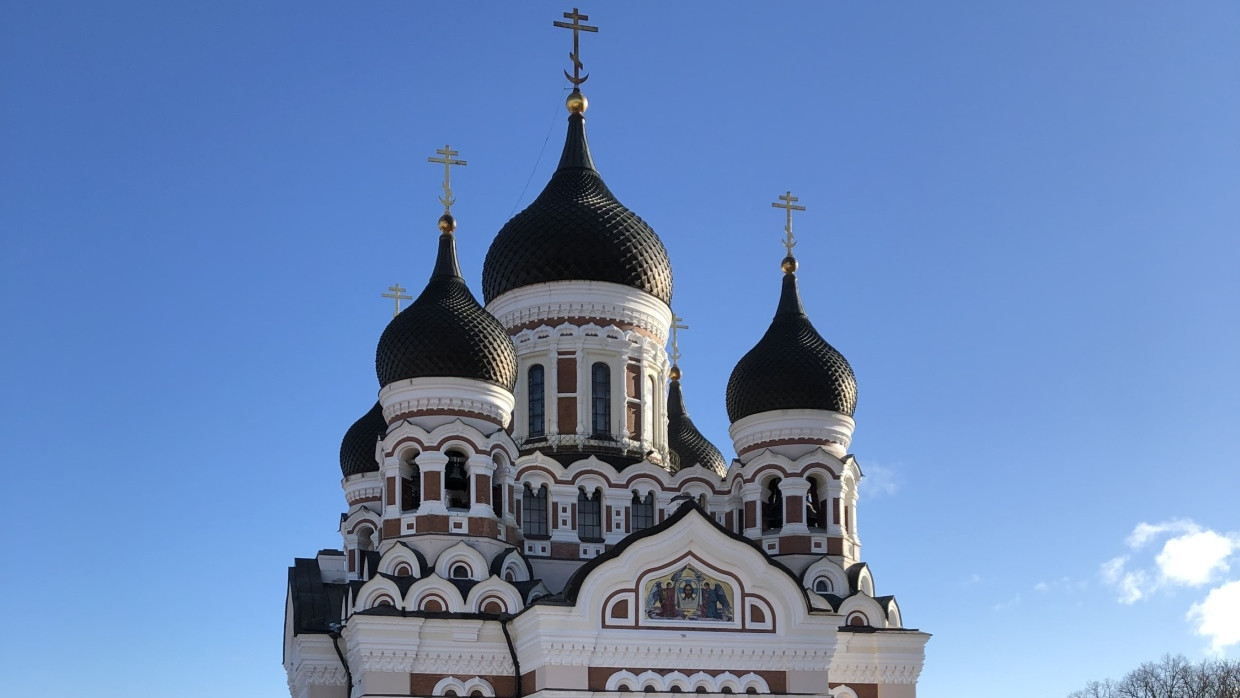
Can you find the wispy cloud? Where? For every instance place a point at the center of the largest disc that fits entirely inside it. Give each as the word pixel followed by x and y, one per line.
pixel 1190 557
pixel 1006 605
pixel 880 481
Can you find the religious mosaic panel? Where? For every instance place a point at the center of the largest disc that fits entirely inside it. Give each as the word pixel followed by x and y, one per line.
pixel 687 593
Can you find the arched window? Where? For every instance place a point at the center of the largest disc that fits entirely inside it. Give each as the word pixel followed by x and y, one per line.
pixel 536 386
pixel 813 508
pixel 534 512
pixel 600 399
pixel 589 516
pixel 823 586
pixel 773 507
pixel 642 511
pixel 411 487
pixel 456 481
pixel 460 571
pixel 497 499
pixel 365 539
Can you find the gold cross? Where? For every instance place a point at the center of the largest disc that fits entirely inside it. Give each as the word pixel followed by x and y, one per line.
pixel 575 56
pixel 395 295
pixel 788 204
pixel 447 152
pixel 676 320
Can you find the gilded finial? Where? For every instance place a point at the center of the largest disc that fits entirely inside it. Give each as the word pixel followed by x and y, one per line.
pixel 397 295
pixel 676 325
pixel 447 223
pixel 576 102
pixel 789 263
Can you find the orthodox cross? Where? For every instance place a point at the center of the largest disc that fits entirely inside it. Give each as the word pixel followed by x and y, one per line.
pixel 676 320
pixel 396 295
pixel 575 56
pixel 789 205
pixel 447 161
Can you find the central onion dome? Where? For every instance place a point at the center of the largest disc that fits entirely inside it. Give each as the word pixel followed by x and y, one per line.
pixel 357 449
pixel 792 366
pixel 576 230
pixel 683 437
pixel 445 333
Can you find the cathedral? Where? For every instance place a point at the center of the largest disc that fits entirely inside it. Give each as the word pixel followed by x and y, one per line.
pixel 530 510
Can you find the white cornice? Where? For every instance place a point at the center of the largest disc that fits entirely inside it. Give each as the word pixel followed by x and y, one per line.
pixel 832 430
pixel 450 394
pixel 555 300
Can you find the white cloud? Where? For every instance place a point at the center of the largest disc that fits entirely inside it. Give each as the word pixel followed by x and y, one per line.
pixel 1144 531
pixel 879 481
pixel 1041 587
pixel 1132 586
pixel 1010 603
pixel 1193 558
pixel 1218 616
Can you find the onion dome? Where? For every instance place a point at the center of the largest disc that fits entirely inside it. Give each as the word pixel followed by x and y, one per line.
pixel 444 332
pixel 577 230
pixel 357 449
pixel 792 366
pixel 684 439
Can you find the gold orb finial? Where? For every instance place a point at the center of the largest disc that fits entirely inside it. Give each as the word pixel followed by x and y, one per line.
pixel 577 102
pixel 447 224
pixel 674 374
pixel 789 264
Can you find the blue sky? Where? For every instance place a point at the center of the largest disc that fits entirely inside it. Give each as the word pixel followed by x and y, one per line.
pixel 1021 231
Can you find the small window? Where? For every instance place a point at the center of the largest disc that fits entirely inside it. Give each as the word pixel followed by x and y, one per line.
pixel 823 585
pixel 773 507
pixel 411 487
pixel 534 512
pixel 589 516
pixel 536 384
pixel 497 500
pixel 642 511
pixel 456 481
pixel 365 538
pixel 460 571
pixel 601 399
pixel 813 508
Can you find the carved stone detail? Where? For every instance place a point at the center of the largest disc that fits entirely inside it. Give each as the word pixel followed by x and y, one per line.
pixel 875 673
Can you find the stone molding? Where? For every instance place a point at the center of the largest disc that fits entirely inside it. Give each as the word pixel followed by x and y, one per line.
pixel 317 675
pixel 419 395
pixel 560 300
pixel 831 430
pixel 698 657
pixel 888 673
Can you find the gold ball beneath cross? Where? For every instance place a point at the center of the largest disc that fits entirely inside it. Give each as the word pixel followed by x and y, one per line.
pixel 789 264
pixel 447 223
pixel 576 102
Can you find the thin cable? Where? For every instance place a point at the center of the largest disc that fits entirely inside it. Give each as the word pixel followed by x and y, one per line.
pixel 537 162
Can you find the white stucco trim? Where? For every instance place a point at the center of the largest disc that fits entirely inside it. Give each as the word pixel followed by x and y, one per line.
pixel 556 300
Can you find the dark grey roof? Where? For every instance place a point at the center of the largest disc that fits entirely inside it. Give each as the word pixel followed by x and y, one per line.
pixel 357 449
pixel 445 333
pixel 684 438
pixel 497 564
pixel 316 605
pixel 577 230
pixel 791 367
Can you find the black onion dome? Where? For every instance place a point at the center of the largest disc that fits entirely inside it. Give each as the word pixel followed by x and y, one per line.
pixel 791 367
pixel 445 333
pixel 684 438
pixel 577 230
pixel 357 449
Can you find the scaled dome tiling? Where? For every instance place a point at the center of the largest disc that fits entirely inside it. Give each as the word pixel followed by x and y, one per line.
pixel 684 439
pixel 446 333
pixel 357 448
pixel 791 367
pixel 577 230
